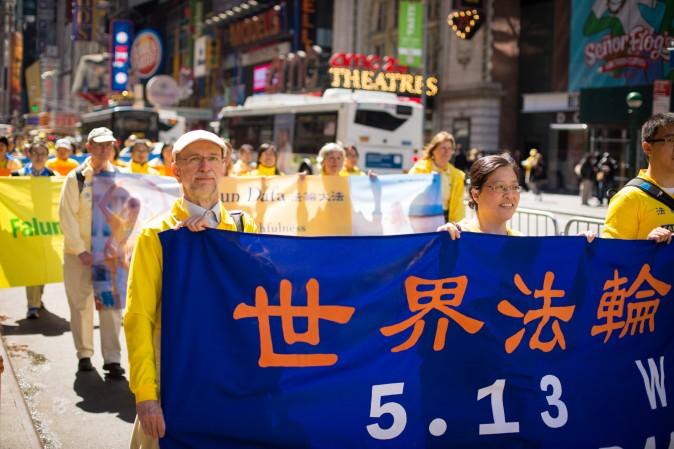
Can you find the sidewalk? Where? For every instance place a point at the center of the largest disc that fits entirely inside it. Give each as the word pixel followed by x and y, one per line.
pixel 561 204
pixel 16 425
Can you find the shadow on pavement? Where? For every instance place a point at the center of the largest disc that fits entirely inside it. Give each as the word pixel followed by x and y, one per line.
pixel 49 325
pixel 104 395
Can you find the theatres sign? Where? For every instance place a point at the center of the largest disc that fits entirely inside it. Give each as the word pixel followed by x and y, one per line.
pixel 371 72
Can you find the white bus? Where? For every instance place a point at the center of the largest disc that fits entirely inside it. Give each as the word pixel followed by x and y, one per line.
pixel 385 128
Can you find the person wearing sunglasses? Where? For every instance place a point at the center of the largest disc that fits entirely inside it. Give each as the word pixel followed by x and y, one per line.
pixel 643 209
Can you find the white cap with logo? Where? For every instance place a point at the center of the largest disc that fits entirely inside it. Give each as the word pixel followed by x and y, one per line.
pixel 194 136
pixel 64 143
pixel 101 135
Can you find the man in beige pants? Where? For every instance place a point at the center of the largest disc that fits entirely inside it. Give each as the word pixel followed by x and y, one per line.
pixel 75 216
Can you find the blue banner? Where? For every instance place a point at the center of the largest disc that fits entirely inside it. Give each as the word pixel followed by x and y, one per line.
pixel 620 43
pixel 416 341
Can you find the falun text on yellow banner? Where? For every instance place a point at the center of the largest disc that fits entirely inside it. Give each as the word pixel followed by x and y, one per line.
pixel 30 234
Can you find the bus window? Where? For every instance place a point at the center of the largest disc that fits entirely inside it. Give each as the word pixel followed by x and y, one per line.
pixel 253 130
pixel 378 119
pixel 313 130
pixel 136 122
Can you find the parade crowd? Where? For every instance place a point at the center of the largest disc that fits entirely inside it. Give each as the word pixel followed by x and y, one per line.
pixel 199 159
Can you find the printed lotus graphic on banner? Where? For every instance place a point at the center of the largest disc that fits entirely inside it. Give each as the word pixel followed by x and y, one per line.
pixel 122 204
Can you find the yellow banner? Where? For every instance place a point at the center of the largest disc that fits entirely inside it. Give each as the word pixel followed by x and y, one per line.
pixel 30 234
pixel 290 205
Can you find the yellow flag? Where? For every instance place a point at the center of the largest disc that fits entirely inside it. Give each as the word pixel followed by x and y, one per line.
pixel 31 239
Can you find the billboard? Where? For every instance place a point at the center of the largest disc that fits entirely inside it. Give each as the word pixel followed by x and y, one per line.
pixel 621 43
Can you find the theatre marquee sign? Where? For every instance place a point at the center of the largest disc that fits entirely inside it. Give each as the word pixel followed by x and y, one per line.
pixel 371 72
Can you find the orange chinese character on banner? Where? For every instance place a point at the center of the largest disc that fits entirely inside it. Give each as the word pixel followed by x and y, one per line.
pixel 639 312
pixel 545 314
pixel 433 291
pixel 313 312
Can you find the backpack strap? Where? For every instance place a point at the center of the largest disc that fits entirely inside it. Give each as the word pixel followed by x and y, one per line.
pixel 653 190
pixel 80 177
pixel 237 216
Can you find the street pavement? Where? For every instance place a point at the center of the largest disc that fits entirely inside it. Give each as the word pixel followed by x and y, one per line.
pixel 68 409
pixel 72 410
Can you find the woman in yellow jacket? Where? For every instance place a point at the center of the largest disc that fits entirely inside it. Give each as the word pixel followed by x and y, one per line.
pixel 266 161
pixel 350 167
pixel 437 155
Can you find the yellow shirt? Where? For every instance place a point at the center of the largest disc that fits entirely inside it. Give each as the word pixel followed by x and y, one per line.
pixel 161 168
pixel 60 166
pixel 353 172
pixel 142 320
pixel 143 169
pixel 452 186
pixel 633 214
pixel 263 170
pixel 474 226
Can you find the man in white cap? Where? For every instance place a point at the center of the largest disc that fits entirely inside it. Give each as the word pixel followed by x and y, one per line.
pixel 75 216
pixel 200 161
pixel 62 163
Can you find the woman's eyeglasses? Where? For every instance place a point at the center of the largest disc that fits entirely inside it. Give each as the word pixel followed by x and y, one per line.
pixel 503 188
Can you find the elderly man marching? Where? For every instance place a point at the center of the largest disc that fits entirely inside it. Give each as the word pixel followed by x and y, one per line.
pixel 75 216
pixel 200 161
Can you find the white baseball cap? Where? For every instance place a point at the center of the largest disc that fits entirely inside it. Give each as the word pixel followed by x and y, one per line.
pixel 64 143
pixel 101 135
pixel 194 136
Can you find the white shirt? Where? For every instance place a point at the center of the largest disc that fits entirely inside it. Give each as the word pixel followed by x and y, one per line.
pixel 213 215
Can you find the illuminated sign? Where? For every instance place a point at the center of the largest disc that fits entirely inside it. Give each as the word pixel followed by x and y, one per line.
pixel 465 23
pixel 371 72
pixel 367 62
pixel 146 53
pixel 399 83
pixel 121 35
pixel 260 77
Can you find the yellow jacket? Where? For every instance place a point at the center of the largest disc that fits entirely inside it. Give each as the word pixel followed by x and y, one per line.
pixel 142 169
pixel 142 320
pixel 355 172
pixel 61 167
pixel 75 210
pixel 452 186
pixel 263 170
pixel 632 214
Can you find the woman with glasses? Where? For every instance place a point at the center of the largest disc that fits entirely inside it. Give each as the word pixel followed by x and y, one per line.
pixel 266 161
pixel 36 167
pixel 494 194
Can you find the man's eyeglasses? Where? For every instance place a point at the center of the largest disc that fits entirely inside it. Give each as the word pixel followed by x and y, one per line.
pixel 502 188
pixel 195 161
pixel 669 140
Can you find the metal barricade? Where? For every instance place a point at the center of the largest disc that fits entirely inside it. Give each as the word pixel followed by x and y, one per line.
pixel 534 223
pixel 578 224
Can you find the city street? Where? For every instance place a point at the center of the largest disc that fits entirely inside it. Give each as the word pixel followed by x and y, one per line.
pixel 69 409
pixel 42 358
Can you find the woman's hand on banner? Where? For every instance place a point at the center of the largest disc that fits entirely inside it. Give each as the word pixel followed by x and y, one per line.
pixel 453 229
